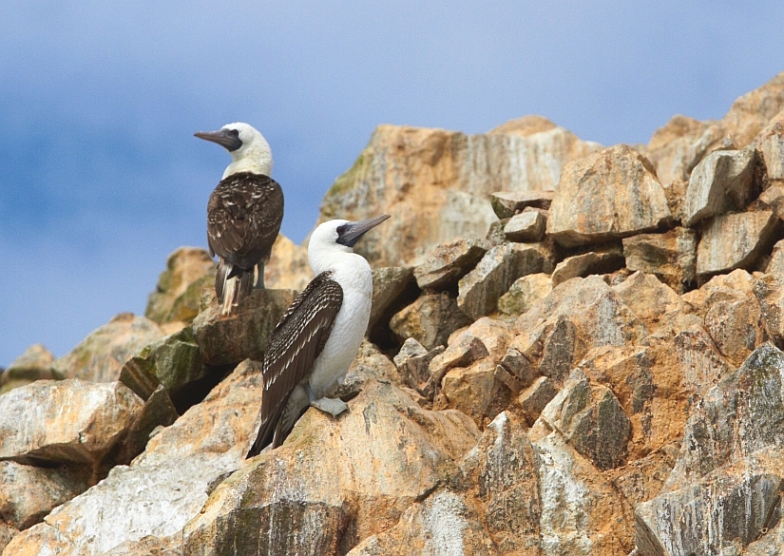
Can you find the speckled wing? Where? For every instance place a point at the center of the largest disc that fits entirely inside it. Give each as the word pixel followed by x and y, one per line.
pixel 243 218
pixel 296 342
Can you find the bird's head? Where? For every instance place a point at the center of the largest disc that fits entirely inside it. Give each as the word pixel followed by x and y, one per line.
pixel 337 236
pixel 249 150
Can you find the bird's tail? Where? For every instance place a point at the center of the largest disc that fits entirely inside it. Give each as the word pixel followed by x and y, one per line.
pixel 232 285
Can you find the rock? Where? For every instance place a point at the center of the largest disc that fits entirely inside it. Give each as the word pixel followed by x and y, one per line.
pixel 442 524
pixel 536 397
pixel 393 290
pixel 413 363
pixel 524 293
pixel 671 257
pixel 163 488
pixel 227 340
pixel 28 493
pixel 769 291
pixel 776 262
pixel 743 413
pixel 642 479
pixel 751 112
pixel 735 241
pixel 449 262
pixel 772 150
pixel 74 421
pixel 508 203
pixel 356 491
pixel 369 364
pixel 581 513
pixel 605 196
pixel 773 198
pixel 102 354
pixel 429 320
pixel 189 270
pixel 722 182
pixel 6 534
pixel 435 184
pixel 676 199
pixel 501 475
pixel 288 267
pixel 518 366
pixel 735 325
pixel 474 391
pixel 494 335
pixel 721 514
pixel 526 227
pixel 701 363
pixel 672 150
pixel 593 262
pixel 591 419
pixel 34 364
pixel 495 273
pixel 460 353
pixel 577 315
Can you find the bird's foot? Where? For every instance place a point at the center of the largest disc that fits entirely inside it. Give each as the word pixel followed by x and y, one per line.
pixel 333 406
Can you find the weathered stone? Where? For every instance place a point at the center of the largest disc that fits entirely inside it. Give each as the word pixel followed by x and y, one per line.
pixel 581 513
pixel 735 325
pixel 722 182
pixel 189 270
pixel 227 340
pixel 735 241
pixel 163 488
pixel 102 354
pixel 74 421
pixel 676 199
pixel 776 262
pixel 148 546
pixel 508 203
pixel 460 353
pixel 518 366
pixel 429 320
pixel 607 195
pixel 393 289
pixel 494 334
pixel 28 493
pixel 536 397
pixel 642 479
pixel 701 363
pixel 743 413
pixel 413 364
pixel 6 534
pixel 288 267
pixel 577 315
pixel 473 391
pixel 34 364
pixel 772 150
pixel 524 293
pixel 773 198
pixel 495 273
pixel 671 148
pixel 585 264
pixel 591 420
pixel 751 112
pixel 370 364
pixel 501 474
pixel 671 257
pixel 721 514
pixel 449 262
pixel 441 524
pixel 299 508
pixel 436 184
pixel 528 226
pixel 769 291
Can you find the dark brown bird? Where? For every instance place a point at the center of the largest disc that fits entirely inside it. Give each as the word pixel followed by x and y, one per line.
pixel 243 214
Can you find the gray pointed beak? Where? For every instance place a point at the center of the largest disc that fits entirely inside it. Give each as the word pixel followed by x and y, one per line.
pixel 350 232
pixel 222 137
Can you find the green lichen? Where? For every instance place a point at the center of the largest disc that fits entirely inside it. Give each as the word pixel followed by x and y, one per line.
pixel 344 183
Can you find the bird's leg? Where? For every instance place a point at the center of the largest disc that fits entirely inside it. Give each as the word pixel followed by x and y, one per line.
pixel 333 406
pixel 258 276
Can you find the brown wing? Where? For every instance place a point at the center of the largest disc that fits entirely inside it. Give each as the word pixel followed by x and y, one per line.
pixel 243 218
pixel 293 347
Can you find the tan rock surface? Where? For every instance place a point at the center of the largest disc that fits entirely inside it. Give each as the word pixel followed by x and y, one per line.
pixel 671 256
pixel 189 270
pixel 735 241
pixel 101 355
pixel 607 195
pixel 436 184
pixel 288 267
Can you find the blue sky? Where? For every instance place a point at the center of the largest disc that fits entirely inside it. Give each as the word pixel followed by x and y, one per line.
pixel 101 177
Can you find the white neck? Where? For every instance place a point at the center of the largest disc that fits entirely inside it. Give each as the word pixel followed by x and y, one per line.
pixel 255 158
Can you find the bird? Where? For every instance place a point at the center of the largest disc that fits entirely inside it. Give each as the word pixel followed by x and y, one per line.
pixel 318 336
pixel 244 213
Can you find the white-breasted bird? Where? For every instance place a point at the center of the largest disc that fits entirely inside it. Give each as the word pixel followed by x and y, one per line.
pixel 243 214
pixel 317 338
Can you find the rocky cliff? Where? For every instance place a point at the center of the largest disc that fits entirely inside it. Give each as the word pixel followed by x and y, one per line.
pixel 573 350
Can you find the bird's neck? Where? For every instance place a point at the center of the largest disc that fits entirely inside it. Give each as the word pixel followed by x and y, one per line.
pixel 255 161
pixel 345 265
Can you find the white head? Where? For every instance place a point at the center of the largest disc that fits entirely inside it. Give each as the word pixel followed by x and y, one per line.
pixel 331 239
pixel 248 148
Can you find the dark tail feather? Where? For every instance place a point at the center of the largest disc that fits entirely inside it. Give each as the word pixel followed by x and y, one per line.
pixel 266 434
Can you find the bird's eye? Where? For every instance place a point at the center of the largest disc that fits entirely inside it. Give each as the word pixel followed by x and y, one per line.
pixel 234 132
pixel 341 229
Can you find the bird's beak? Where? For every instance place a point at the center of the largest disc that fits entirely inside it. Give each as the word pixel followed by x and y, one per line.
pixel 221 137
pixel 354 230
